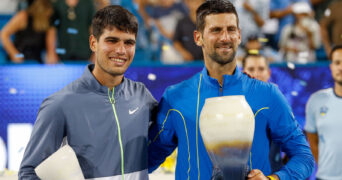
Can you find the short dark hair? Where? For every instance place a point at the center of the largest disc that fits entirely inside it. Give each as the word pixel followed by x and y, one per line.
pixel 114 16
pixel 244 59
pixel 334 48
pixel 213 7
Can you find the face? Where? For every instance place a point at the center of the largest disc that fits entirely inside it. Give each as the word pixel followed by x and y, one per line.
pixel 114 51
pixel 336 66
pixel 220 38
pixel 257 67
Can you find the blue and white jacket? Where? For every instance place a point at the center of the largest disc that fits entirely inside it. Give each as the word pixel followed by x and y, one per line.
pixel 177 125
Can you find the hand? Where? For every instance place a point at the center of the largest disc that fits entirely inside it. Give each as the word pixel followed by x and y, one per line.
pixel 249 75
pixel 256 174
pixel 17 58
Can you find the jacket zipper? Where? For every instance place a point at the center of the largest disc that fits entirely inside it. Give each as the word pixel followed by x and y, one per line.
pixel 112 102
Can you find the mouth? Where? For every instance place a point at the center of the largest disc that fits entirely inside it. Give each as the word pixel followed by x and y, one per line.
pixel 118 61
pixel 225 46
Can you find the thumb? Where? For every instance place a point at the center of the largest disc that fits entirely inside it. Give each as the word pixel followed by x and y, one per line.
pixel 253 173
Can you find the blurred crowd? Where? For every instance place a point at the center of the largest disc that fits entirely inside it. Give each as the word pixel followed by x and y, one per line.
pixel 57 31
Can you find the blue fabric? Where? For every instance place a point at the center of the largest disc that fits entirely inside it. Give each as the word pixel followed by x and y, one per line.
pixel 176 125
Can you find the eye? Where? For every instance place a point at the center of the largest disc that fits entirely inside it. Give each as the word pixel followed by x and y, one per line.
pixel 216 29
pixel 232 29
pixel 130 42
pixel 112 40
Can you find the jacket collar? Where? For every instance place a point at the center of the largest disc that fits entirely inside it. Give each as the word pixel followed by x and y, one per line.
pixel 91 82
pixel 227 79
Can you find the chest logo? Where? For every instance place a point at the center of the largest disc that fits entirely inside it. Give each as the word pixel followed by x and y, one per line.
pixel 323 110
pixel 132 111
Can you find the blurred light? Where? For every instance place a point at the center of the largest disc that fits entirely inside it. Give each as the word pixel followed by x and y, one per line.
pixel 291 65
pixel 60 51
pixel 13 91
pixel 303 83
pixel 151 77
pixel 165 47
pixel 294 93
pixel 263 40
pixel 19 55
pixel 72 31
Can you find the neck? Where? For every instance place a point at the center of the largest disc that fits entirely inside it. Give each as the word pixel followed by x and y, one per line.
pixel 106 79
pixel 217 71
pixel 338 89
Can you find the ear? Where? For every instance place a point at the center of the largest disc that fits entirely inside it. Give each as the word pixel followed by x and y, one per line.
pixel 198 38
pixel 92 43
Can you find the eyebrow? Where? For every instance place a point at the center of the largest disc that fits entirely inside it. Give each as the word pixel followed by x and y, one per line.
pixel 118 39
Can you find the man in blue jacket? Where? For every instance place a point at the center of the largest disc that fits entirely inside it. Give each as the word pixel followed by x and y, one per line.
pixel 218 34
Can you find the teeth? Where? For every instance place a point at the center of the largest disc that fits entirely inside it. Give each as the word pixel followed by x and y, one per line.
pixel 117 60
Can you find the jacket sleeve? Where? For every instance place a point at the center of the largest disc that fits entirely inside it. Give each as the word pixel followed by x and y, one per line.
pixel 46 138
pixel 162 138
pixel 285 130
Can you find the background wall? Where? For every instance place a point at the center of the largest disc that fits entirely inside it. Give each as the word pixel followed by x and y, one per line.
pixel 23 88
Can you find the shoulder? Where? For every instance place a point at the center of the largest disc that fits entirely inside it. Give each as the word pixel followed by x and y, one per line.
pixel 321 95
pixel 186 85
pixel 137 88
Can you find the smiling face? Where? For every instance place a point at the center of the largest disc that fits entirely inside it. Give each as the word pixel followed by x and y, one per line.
pixel 114 52
pixel 220 38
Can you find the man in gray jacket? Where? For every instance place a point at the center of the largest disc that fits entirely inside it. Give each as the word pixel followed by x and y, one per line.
pixel 103 115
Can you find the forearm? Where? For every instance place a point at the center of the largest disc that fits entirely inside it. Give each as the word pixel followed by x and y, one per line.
pixel 8 45
pixel 280 13
pixel 301 163
pixel 325 38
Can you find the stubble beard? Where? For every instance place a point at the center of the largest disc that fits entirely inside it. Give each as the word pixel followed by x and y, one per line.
pixel 221 60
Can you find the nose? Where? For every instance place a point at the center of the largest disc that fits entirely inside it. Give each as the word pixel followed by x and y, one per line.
pixel 120 48
pixel 225 36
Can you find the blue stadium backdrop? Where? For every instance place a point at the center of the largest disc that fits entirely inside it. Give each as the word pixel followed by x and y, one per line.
pixel 23 87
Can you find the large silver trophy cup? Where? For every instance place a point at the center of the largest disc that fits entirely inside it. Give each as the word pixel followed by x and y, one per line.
pixel 227 128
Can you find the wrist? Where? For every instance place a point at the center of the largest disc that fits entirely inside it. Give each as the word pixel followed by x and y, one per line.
pixel 271 178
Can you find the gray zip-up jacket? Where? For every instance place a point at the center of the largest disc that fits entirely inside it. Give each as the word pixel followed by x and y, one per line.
pixel 107 129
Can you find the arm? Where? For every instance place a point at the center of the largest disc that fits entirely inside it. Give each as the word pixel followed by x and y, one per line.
pixel 325 35
pixel 187 56
pixel 285 130
pixel 142 11
pixel 17 23
pixel 46 138
pixel 257 18
pixel 313 141
pixel 281 13
pixel 162 137
pixel 51 55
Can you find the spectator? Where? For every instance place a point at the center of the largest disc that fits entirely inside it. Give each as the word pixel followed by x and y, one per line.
pixel 331 26
pixel 72 20
pixel 256 45
pixel 255 10
pixel 282 10
pixel 323 122
pixel 257 66
pixel 300 40
pixel 164 16
pixel 183 39
pixel 30 28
